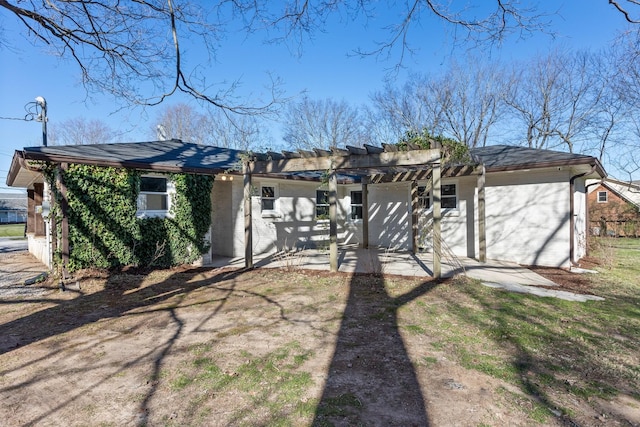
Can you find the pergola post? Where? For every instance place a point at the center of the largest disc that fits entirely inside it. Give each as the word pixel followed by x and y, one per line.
pixel 414 217
pixel 248 222
pixel 482 229
pixel 333 220
pixel 64 224
pixel 365 214
pixel 437 235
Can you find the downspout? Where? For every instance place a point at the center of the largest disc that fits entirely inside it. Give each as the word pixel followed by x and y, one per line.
pixel 572 222
pixel 587 218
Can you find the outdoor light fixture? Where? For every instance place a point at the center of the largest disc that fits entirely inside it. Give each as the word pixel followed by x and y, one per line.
pixel 42 117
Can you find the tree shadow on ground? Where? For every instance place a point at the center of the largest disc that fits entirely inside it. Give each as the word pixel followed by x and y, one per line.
pixel 575 366
pixel 371 379
pixel 122 296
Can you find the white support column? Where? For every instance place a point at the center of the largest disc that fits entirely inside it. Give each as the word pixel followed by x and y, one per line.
pixel 365 214
pixel 333 221
pixel 437 235
pixel 414 217
pixel 248 221
pixel 482 229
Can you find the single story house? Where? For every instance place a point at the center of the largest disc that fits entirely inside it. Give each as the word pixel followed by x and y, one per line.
pixel 614 208
pixel 511 203
pixel 13 208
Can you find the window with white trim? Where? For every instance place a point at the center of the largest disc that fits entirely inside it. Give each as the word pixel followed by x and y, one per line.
pixel 153 198
pixel 602 197
pixel 449 196
pixel 267 198
pixel 424 197
pixel 356 205
pixel 322 204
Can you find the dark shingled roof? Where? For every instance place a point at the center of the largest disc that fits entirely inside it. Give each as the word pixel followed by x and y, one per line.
pixel 508 157
pixel 170 156
pixel 178 156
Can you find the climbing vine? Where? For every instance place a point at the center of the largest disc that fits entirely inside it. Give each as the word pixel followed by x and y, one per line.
pixel 453 152
pixel 105 232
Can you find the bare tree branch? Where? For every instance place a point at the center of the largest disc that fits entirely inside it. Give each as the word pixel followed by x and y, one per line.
pixel 624 9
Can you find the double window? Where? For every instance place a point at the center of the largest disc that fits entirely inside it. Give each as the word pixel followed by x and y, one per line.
pixel 448 197
pixel 154 195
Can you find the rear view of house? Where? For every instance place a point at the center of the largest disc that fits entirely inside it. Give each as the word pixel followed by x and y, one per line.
pixel 509 203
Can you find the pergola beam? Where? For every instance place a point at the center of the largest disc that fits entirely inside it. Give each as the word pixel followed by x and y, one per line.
pixel 364 161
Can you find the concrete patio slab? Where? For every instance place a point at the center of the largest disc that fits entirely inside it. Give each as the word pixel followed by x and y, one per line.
pixel 497 274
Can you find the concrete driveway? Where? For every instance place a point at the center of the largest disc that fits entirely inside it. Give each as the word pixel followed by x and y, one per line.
pixel 12 244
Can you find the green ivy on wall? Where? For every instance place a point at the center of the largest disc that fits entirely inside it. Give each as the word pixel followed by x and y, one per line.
pixel 104 231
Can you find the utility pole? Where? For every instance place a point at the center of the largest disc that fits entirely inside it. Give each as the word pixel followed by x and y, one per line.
pixel 42 117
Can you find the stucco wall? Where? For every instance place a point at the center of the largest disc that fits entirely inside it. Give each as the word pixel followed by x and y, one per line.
pixel 389 216
pixel 527 217
pixel 580 219
pixel 292 224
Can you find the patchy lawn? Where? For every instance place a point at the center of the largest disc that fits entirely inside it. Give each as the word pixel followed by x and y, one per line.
pixel 288 348
pixel 12 230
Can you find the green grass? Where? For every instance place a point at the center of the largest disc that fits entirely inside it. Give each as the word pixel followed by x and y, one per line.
pixel 12 230
pixel 554 351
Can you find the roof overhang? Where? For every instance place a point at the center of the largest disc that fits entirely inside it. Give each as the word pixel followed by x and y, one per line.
pixel 22 174
pixel 583 165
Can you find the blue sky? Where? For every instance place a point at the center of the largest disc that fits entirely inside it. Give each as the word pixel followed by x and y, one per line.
pixel 327 68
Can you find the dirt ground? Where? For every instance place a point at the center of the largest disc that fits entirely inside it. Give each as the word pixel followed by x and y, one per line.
pixel 111 349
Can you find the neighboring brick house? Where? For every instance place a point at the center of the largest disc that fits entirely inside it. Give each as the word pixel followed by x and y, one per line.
pixel 614 208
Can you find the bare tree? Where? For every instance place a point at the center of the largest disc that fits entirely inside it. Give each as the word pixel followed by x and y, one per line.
pixel 322 124
pixel 80 131
pixel 626 83
pixel 396 111
pixel 464 103
pixel 555 99
pixel 469 101
pixel 184 122
pixel 135 51
pixel 629 8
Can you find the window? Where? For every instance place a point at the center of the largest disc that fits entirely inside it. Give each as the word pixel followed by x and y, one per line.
pixel 602 197
pixel 153 194
pixel 449 198
pixel 424 197
pixel 356 205
pixel 268 198
pixel 322 204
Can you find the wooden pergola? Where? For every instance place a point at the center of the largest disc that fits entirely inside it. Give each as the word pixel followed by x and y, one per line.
pixel 374 165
